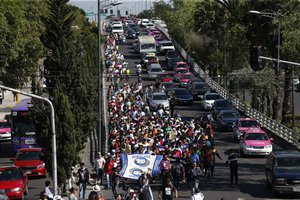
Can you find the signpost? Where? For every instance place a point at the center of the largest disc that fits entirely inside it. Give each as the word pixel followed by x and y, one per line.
pixel 89 14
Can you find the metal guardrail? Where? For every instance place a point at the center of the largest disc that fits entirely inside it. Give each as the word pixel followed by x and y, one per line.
pixel 280 130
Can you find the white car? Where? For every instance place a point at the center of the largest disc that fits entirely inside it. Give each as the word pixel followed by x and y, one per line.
pixel 209 100
pixel 144 22
pixel 154 69
pixel 165 46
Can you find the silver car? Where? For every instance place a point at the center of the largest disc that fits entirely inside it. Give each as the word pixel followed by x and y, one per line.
pixel 154 69
pixel 158 98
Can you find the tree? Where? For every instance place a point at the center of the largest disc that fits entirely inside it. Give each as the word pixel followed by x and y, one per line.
pixel 20 47
pixel 66 138
pixel 290 51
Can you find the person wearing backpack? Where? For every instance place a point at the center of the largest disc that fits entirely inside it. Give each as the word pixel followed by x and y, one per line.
pixel 177 173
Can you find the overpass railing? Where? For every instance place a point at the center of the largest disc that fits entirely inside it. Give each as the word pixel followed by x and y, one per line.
pixel 280 130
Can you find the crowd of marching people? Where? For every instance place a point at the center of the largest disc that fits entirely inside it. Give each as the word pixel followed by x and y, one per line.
pixel 188 149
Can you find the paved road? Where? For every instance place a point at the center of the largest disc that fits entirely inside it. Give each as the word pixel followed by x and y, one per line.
pixel 251 171
pixel 252 180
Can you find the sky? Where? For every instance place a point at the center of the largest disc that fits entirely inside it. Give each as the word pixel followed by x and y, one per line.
pixel 132 6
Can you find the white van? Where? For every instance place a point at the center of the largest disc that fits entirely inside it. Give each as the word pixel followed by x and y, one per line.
pixel 117 28
pixel 146 44
pixel 144 22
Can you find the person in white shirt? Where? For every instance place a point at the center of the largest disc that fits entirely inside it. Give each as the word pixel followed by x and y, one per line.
pixel 197 195
pixel 99 167
pixel 47 190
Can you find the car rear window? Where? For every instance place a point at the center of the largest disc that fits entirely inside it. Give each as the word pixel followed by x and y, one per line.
pixel 212 97
pixel 29 155
pixel 160 97
pixel 9 175
pixel 250 123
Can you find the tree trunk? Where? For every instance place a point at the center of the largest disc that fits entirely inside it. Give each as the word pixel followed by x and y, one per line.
pixel 287 98
pixel 276 106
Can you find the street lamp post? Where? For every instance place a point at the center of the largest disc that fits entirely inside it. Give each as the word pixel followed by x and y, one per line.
pixel 274 15
pixel 54 159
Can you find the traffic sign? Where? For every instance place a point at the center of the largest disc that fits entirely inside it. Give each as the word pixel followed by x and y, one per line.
pixel 90 14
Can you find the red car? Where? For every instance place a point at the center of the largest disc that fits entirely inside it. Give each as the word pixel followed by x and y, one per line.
pixel 29 159
pixel 185 79
pixel 179 72
pixel 13 182
pixel 182 65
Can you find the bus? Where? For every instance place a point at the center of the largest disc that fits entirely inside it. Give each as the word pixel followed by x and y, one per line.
pixel 23 134
pixel 146 44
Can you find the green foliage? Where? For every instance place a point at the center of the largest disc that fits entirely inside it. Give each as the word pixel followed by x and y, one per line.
pixel 148 14
pixel 20 47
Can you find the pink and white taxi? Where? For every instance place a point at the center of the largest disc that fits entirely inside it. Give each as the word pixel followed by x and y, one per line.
pixel 243 124
pixel 5 131
pixel 255 142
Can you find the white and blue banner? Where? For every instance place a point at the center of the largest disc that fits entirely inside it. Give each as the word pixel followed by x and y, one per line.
pixel 133 165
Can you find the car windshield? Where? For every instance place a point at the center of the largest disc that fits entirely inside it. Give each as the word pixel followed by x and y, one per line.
pixel 151 58
pixel 187 76
pixel 168 85
pixel 183 65
pixel 173 54
pixel 4 125
pixel 223 104
pixel 288 163
pixel 28 155
pixel 181 92
pixel 182 71
pixel 156 70
pixel 250 123
pixel 256 136
pixel 200 86
pixel 212 97
pixel 9 175
pixel 230 115
pixel 167 44
pixel 160 97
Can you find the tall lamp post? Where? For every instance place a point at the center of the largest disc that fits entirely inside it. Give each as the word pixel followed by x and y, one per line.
pixel 274 15
pixel 54 159
pixel 101 6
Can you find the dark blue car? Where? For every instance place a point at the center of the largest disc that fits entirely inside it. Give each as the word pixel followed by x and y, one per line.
pixel 226 118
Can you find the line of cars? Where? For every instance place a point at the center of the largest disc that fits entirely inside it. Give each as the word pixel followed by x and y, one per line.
pixel 26 163
pixel 282 167
pixel 14 179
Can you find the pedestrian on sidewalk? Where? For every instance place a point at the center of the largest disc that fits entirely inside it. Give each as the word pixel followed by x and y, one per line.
pixel 115 179
pixel 84 178
pixel 108 171
pixel 99 168
pixel 48 190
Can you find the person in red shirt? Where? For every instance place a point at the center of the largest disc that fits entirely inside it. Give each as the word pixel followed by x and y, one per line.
pixel 108 170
